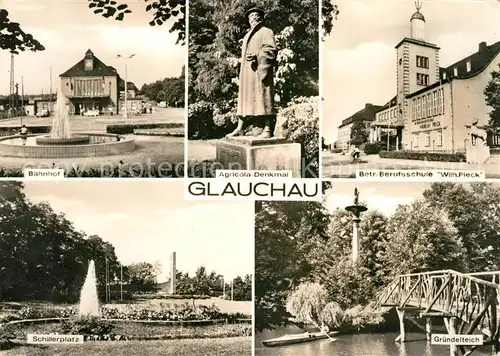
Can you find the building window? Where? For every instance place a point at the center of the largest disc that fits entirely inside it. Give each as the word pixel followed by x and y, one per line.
pixel 441 99
pixel 434 103
pixel 427 139
pixel 418 108
pixel 429 107
pixel 422 62
pixel 469 66
pixel 440 138
pixel 422 79
pixel 413 111
pixel 416 138
pixel 455 71
pixel 444 75
pixel 424 106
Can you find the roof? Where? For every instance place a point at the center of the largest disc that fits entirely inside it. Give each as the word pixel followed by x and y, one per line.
pixel 479 61
pixel 366 114
pixel 417 16
pixel 417 42
pixel 390 103
pixel 100 69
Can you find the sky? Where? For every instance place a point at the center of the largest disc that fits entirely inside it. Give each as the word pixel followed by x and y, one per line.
pixel 68 28
pixel 381 196
pixel 359 58
pixel 148 220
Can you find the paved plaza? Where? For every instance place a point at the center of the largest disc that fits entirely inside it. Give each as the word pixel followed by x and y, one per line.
pixel 336 165
pixel 152 153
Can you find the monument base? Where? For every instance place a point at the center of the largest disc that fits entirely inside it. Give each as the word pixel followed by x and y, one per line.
pixel 476 153
pixel 253 153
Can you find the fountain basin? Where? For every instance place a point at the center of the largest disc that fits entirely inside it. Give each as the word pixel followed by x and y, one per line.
pixel 99 144
pixel 74 140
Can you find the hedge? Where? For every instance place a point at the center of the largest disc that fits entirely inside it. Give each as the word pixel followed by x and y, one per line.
pixel 424 156
pixel 129 129
pixel 336 150
pixel 169 296
pixel 12 130
pixel 374 148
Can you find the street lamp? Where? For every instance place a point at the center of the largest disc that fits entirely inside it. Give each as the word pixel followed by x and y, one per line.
pixel 126 58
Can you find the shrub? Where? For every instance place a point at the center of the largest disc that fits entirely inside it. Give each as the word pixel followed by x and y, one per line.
pixel 424 156
pixel 374 148
pixel 86 325
pixel 37 129
pixel 301 126
pixel 201 123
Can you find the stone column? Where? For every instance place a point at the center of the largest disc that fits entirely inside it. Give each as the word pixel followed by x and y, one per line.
pixel 355 238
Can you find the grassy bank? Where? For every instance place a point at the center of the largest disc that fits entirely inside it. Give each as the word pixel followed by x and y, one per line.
pixel 220 347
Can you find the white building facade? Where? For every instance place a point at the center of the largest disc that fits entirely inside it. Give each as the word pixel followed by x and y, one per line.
pixel 434 107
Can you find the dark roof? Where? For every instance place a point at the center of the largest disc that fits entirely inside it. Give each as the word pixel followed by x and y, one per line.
pixel 366 114
pixel 130 85
pixel 417 16
pixel 417 42
pixel 100 69
pixel 479 61
pixel 390 103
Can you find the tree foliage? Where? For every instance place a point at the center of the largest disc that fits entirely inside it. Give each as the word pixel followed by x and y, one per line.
pixel 359 134
pixel 169 90
pixel 285 233
pixel 474 211
pixel 307 302
pixel 492 98
pixel 422 238
pixel 42 255
pixel 163 10
pixel 13 38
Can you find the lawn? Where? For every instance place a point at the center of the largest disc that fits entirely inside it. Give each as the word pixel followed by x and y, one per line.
pixel 202 347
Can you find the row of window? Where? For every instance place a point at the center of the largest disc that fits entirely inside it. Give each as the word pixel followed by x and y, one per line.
pixel 427 139
pixel 88 87
pixel 388 115
pixel 428 105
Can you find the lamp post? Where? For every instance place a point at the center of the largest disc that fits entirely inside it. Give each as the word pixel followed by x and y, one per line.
pixel 356 209
pixel 126 58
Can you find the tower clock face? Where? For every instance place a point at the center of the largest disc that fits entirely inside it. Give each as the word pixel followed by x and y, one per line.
pixel 88 65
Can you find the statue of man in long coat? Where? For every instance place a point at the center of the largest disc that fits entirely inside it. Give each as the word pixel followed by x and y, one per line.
pixel 256 86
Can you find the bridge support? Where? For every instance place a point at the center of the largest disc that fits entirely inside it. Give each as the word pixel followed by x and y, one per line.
pixel 402 331
pixel 451 327
pixel 428 328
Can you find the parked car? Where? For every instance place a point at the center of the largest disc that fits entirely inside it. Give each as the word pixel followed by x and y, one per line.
pixel 89 113
pixel 43 113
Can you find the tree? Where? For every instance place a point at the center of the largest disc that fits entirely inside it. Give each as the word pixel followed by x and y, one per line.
pixel 307 302
pixel 142 275
pixel 13 38
pixel 492 98
pixel 421 238
pixel 329 12
pixel 474 211
pixel 285 235
pixel 162 10
pixel 359 134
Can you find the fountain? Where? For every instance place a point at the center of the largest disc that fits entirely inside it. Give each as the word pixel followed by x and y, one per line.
pixel 60 133
pixel 89 303
pixel 61 142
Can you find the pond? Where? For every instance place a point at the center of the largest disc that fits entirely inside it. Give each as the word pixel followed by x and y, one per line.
pixel 356 345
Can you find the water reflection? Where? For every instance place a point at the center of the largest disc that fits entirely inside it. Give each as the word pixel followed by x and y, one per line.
pixel 356 345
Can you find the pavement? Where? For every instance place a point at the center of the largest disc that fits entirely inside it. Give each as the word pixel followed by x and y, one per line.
pixel 336 165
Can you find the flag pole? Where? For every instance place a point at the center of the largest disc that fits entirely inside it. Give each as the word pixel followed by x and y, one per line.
pixel 121 282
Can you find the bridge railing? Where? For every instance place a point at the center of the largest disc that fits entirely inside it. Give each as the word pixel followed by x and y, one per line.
pixel 446 292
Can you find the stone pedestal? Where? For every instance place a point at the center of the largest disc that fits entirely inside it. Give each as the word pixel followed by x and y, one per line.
pixel 476 153
pixel 253 153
